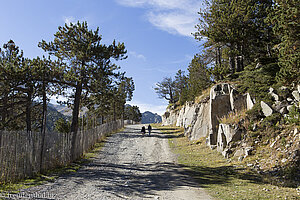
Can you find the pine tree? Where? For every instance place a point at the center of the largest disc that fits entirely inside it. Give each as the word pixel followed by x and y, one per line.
pixel 86 61
pixel 166 89
pixel 235 33
pixel 285 20
pixel 181 86
pixel 199 77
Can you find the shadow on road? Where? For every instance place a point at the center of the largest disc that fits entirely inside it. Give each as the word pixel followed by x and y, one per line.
pixel 146 179
pixel 142 180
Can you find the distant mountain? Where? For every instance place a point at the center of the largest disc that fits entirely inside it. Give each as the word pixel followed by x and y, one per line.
pixel 52 115
pixel 63 109
pixel 149 117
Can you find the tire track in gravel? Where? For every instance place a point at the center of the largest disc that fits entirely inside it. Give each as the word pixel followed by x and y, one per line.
pixel 130 166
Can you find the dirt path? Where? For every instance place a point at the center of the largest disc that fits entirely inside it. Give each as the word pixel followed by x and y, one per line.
pixel 130 166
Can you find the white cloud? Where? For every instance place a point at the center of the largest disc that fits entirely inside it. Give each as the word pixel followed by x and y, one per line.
pixel 159 109
pixel 174 22
pixel 160 69
pixel 136 55
pixel 185 59
pixel 56 98
pixel 69 19
pixel 160 4
pixel 174 16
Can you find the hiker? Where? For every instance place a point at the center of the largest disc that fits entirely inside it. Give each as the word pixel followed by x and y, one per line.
pixel 143 130
pixel 149 129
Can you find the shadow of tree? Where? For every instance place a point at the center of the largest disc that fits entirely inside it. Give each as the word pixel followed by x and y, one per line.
pixel 142 179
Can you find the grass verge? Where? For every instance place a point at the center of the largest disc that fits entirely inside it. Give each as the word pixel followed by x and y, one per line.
pixel 222 178
pixel 53 174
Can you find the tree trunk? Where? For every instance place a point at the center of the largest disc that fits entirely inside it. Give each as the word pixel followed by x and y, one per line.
pixel 114 107
pixel 171 95
pixel 44 121
pixel 219 57
pixel 28 110
pixel 4 109
pixel 75 116
pixel 232 65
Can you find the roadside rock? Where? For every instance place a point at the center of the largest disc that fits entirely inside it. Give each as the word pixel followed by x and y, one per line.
pixel 296 95
pixel 226 135
pixel 266 109
pixel 200 124
pixel 273 94
pixel 169 117
pixel 248 151
pixel 250 102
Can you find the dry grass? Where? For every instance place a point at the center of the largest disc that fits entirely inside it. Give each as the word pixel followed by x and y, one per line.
pixel 223 179
pixel 205 93
pixel 233 117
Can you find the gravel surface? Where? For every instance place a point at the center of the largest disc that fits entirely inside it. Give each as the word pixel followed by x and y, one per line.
pixel 130 166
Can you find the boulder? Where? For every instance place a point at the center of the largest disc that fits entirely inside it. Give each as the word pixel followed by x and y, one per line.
pixel 283 111
pixel 258 66
pixel 289 99
pixel 248 151
pixel 273 94
pixel 280 106
pixel 298 88
pixel 249 102
pixel 226 153
pixel 296 95
pixel 226 135
pixel 266 109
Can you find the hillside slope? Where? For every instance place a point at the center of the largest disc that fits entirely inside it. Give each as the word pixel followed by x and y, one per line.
pixel 265 135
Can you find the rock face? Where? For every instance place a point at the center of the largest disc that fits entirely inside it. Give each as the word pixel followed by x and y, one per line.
pixel 202 119
pixel 226 135
pixel 169 117
pixel 200 124
pixel 186 115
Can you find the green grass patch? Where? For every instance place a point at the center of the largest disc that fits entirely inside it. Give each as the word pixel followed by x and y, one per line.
pixel 222 178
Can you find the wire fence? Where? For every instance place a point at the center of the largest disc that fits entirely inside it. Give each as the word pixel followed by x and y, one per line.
pixel 22 154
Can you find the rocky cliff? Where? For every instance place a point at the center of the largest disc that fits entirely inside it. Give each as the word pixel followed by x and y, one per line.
pixel 203 119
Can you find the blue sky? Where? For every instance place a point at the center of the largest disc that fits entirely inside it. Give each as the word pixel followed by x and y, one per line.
pixel 156 33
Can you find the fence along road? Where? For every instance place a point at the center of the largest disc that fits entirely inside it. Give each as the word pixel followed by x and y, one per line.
pixel 20 152
pixel 130 166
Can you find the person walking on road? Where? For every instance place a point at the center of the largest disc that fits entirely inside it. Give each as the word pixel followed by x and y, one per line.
pixel 149 129
pixel 143 130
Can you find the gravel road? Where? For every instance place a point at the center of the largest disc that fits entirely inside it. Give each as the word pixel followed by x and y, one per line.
pixel 130 166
